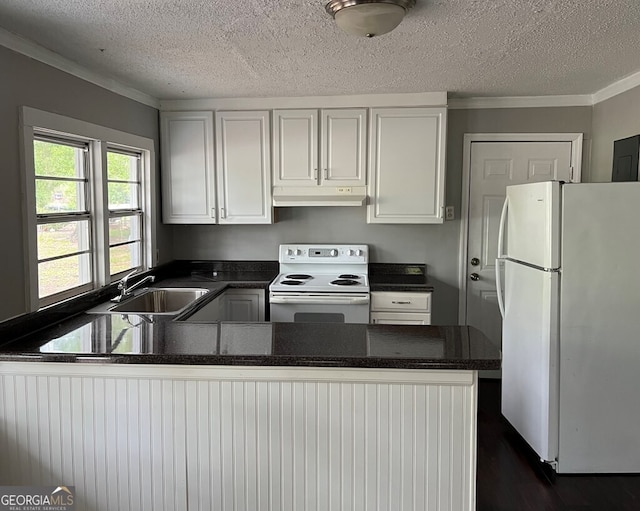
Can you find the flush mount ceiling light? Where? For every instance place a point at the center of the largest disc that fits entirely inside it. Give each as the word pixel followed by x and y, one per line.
pixel 368 18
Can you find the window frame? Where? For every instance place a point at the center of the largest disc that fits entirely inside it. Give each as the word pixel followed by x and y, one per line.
pixel 100 139
pixel 43 219
pixel 125 212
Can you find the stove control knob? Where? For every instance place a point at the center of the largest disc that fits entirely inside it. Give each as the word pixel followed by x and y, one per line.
pixel 359 253
pixel 289 251
pixel 298 251
pixel 333 252
pixel 351 252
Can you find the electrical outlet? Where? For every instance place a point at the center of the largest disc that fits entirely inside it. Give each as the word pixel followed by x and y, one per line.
pixel 449 213
pixel 344 190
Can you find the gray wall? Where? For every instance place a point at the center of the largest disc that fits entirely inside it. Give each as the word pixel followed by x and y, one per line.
pixel 615 118
pixel 26 82
pixel 37 85
pixel 435 245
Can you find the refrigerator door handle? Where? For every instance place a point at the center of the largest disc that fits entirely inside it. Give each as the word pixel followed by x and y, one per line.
pixel 503 221
pixel 499 286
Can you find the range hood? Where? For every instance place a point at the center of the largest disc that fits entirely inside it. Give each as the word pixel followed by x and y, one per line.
pixel 319 196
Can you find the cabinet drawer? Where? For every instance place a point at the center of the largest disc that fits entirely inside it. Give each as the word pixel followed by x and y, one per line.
pixel 401 318
pixel 400 301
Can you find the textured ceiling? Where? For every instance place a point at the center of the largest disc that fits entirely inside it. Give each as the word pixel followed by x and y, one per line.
pixel 183 49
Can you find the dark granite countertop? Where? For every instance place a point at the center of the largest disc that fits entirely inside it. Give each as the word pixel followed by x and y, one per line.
pixel 134 339
pixel 398 277
pixel 69 334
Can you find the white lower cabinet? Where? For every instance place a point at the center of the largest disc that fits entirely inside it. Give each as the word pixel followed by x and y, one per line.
pixel 233 305
pixel 400 308
pixel 211 312
pixel 244 305
pixel 192 438
pixel 400 318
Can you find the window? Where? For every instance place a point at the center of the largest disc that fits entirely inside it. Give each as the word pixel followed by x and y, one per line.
pixel 63 217
pixel 125 211
pixel 89 210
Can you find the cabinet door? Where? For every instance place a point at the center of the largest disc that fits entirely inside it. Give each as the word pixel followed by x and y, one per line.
pixel 406 165
pixel 243 167
pixel 343 147
pixel 295 147
pixel 400 318
pixel 244 305
pixel 209 313
pixel 188 189
pixel 401 301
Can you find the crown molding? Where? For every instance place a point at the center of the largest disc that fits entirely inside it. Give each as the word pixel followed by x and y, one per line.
pixel 616 88
pixel 353 101
pixel 521 101
pixel 35 51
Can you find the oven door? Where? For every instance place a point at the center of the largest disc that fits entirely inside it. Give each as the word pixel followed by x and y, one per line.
pixel 319 307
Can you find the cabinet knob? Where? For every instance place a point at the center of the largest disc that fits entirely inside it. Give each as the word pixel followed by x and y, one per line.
pixel 474 277
pixel 475 261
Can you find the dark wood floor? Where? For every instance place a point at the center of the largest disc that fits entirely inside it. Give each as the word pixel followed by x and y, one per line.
pixel 510 479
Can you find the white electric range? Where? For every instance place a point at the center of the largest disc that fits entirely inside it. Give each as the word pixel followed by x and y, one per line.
pixel 321 283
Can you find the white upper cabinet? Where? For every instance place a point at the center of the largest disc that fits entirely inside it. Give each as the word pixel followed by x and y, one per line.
pixel 188 185
pixel 243 167
pixel 295 147
pixel 407 165
pixel 343 155
pixel 327 150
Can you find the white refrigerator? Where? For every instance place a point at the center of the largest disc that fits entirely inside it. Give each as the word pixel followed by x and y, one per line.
pixel 570 301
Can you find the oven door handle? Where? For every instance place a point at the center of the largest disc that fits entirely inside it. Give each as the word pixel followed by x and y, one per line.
pixel 322 300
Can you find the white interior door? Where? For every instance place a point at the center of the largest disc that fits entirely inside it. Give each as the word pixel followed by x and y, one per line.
pixel 492 167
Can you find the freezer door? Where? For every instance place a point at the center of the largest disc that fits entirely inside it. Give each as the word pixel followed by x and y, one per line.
pixel 533 224
pixel 600 329
pixel 530 356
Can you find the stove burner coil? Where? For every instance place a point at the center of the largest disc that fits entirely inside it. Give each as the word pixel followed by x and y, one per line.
pixel 349 276
pixel 298 276
pixel 344 282
pixel 292 282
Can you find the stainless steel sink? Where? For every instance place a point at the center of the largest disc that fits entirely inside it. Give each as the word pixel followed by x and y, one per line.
pixel 166 300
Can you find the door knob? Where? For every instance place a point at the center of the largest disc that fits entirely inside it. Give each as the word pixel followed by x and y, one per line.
pixel 474 277
pixel 475 261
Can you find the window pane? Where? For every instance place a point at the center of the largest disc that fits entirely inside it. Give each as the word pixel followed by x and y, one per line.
pixel 63 274
pixel 125 257
pixel 123 196
pixel 59 196
pixel 123 229
pixel 122 167
pixel 55 159
pixel 62 238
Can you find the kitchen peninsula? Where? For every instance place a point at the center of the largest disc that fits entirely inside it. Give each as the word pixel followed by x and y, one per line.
pixel 143 413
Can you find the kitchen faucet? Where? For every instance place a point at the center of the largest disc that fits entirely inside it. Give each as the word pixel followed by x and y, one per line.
pixel 125 290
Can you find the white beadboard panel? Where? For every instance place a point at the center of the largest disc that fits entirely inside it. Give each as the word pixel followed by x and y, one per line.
pixel 130 443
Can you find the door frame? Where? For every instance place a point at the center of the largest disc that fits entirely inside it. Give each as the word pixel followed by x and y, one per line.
pixel 576 140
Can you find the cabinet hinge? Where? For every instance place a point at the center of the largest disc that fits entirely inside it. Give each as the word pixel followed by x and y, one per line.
pixel 571 174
